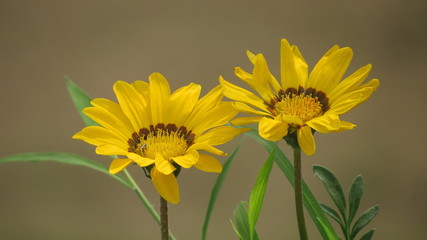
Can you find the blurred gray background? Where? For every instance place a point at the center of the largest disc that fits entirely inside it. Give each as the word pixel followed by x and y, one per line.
pixel 99 42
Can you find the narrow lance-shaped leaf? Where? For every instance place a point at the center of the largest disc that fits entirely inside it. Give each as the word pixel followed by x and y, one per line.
pixel 258 193
pixel 328 232
pixel 311 204
pixel 333 187
pixel 81 100
pixel 235 230
pixel 356 192
pixel 242 222
pixel 67 158
pixel 217 188
pixel 368 235
pixel 333 214
pixel 363 220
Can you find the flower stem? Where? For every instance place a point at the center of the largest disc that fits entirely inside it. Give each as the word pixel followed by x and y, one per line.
pixel 298 194
pixel 164 229
pixel 144 199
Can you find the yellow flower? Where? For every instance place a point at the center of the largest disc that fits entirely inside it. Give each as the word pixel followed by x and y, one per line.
pixel 160 131
pixel 302 103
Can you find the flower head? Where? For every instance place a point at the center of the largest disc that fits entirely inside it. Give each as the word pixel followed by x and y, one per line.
pixel 159 131
pixel 301 103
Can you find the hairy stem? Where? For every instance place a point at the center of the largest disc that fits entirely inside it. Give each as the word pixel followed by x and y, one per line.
pixel 164 229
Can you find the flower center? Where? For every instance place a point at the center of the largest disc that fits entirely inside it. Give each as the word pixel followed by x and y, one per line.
pixel 304 104
pixel 301 106
pixel 169 141
pixel 168 144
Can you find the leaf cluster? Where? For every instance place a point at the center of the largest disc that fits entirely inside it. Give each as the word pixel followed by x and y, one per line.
pixel 347 212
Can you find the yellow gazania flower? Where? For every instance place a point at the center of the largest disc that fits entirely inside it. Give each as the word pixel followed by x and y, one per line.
pixel 160 131
pixel 302 102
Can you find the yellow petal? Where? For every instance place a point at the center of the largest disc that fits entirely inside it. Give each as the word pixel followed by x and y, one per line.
pixel 241 107
pixel 241 95
pixel 288 72
pixel 374 83
pixel 368 88
pixel 366 94
pixel 218 116
pixel 329 71
pixel 326 123
pixel 262 79
pixel 166 186
pixel 208 163
pixel 245 120
pixel 272 129
pixel 312 82
pixel 345 103
pixel 350 83
pixel 251 56
pixel 188 160
pixel 132 104
pixel 345 126
pixel 290 119
pixel 113 108
pixel 301 66
pixel 109 121
pixel 306 140
pixel 249 79
pixel 246 77
pixel 163 165
pixel 181 103
pixel 109 149
pixel 142 88
pixel 204 105
pixel 97 135
pixel 159 97
pixel 118 164
pixel 353 99
pixel 221 135
pixel 141 161
pixel 206 147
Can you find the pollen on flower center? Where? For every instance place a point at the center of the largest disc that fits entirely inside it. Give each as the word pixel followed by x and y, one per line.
pixel 302 106
pixel 168 144
pixel 166 140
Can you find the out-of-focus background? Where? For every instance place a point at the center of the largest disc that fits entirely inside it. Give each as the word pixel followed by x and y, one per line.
pixel 99 42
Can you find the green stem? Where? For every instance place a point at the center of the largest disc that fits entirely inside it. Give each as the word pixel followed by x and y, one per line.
pixel 144 200
pixel 298 194
pixel 347 229
pixel 164 229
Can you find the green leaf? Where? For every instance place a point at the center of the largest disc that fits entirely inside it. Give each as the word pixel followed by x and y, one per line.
pixel 67 158
pixel 363 220
pixel 368 235
pixel 333 187
pixel 327 230
pixel 258 193
pixel 356 192
pixel 332 213
pixel 235 229
pixel 242 222
pixel 311 204
pixel 217 188
pixel 81 100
